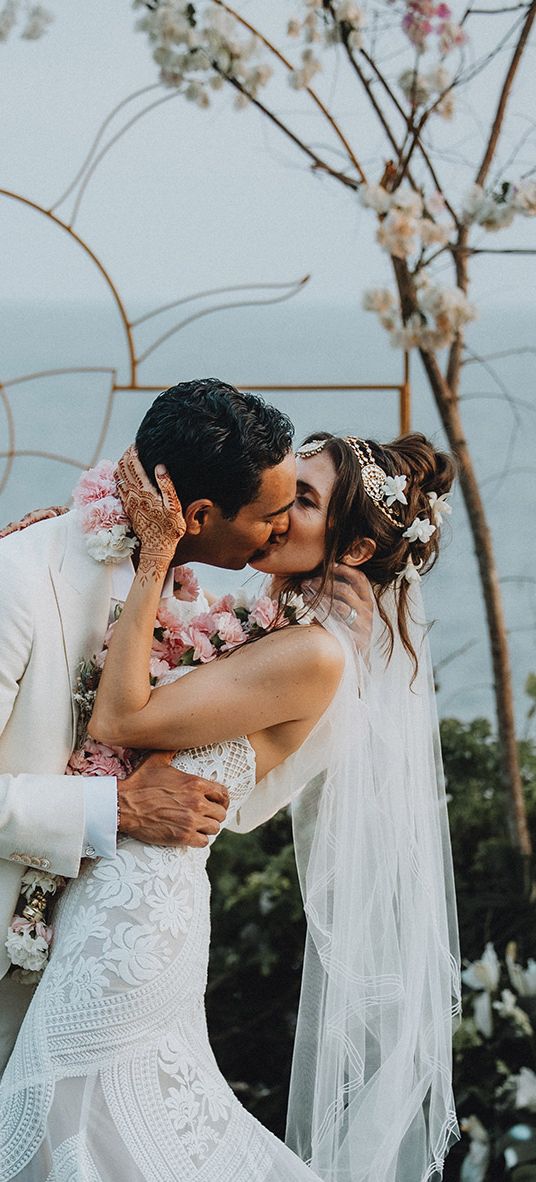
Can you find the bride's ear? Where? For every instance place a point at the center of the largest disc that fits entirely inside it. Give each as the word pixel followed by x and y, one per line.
pixel 196 516
pixel 359 552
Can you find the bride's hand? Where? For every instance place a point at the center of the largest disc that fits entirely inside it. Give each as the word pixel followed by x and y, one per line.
pixel 353 602
pixel 156 517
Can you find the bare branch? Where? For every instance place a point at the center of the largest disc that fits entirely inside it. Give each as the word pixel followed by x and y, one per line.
pixel 472 250
pixel 498 121
pixel 318 164
pixel 496 11
pixel 308 89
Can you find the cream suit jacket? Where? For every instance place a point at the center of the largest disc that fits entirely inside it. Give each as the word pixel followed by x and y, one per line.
pixel 54 607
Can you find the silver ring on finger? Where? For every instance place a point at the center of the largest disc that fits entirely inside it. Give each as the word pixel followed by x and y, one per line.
pixel 351 617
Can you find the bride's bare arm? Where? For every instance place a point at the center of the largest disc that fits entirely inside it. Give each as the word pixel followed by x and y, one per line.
pixel 288 676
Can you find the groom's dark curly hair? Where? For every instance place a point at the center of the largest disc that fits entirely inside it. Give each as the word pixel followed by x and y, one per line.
pixel 215 442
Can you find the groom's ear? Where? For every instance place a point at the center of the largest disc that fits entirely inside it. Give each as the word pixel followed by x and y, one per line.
pixel 196 516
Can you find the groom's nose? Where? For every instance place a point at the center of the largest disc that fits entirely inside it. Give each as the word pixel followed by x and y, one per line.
pixel 280 524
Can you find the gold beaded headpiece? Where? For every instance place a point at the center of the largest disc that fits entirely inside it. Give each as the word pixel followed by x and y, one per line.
pixel 375 481
pixel 373 477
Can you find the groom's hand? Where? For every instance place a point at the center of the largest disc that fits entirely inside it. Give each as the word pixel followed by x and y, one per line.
pixel 161 805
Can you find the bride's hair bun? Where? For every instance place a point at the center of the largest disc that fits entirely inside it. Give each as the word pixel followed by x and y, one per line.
pixel 354 514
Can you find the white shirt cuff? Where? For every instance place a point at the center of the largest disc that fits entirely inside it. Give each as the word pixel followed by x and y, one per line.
pixel 100 804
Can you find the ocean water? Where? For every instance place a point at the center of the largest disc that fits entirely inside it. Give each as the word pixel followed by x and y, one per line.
pixel 73 416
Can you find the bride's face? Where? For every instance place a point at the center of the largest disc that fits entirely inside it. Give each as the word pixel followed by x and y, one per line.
pixel 301 549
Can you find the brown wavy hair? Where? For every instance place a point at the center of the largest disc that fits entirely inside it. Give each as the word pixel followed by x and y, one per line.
pixel 352 515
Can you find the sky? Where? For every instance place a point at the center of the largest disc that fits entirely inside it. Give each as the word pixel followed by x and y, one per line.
pixel 191 199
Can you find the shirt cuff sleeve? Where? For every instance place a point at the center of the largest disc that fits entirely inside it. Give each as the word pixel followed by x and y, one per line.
pixel 100 803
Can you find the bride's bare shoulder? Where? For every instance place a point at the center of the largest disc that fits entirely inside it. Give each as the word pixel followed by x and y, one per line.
pixel 309 649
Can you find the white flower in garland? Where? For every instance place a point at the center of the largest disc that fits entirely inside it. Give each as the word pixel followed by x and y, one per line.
pixel 109 537
pixel 34 880
pixel 111 545
pixel 30 952
pixel 393 490
pixel 420 530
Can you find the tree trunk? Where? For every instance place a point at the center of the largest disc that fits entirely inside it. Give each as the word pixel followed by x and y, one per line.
pixel 449 410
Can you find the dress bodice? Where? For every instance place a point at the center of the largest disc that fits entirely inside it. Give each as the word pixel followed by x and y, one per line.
pixel 231 762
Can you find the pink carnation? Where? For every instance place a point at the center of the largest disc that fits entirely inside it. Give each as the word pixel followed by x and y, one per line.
pixel 96 759
pixel 103 514
pixel 198 639
pixel 43 930
pixel 78 765
pixel 172 648
pixel 229 629
pixel 264 612
pixel 105 765
pixel 20 925
pixel 97 483
pixel 167 617
pixel 158 667
pixel 225 604
pixel 204 622
pixel 186 584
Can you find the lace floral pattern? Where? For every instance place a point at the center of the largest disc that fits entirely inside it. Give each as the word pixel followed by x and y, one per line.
pixel 113 1078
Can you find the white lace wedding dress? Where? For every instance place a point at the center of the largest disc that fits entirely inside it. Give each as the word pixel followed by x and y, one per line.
pixel 112 1078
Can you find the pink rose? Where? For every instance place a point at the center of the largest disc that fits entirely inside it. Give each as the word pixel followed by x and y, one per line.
pixel 185 584
pixel 198 640
pixel 229 629
pixel 264 612
pixel 97 483
pixel 103 514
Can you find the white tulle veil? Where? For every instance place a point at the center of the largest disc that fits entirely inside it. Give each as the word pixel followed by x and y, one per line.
pixel 371 1097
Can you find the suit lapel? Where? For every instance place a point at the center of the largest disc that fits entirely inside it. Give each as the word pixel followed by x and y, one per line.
pixel 82 590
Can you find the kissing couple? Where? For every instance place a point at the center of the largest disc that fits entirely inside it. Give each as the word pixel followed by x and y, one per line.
pixel 318 694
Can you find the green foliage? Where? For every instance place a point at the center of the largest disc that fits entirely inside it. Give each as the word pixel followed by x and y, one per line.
pixel 258 933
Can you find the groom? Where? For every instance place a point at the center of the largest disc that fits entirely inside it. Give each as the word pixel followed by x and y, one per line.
pixel 231 459
pixel 229 456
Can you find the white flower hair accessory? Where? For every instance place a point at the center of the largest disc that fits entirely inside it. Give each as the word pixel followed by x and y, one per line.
pixel 420 530
pixel 411 571
pixel 440 507
pixel 393 490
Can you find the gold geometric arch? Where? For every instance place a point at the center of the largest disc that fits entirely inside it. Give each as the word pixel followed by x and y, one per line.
pixel 135 357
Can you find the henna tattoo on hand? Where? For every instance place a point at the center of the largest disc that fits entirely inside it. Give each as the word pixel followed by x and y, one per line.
pixel 156 517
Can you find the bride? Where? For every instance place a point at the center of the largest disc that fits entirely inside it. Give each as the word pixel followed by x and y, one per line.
pixel 112 1078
